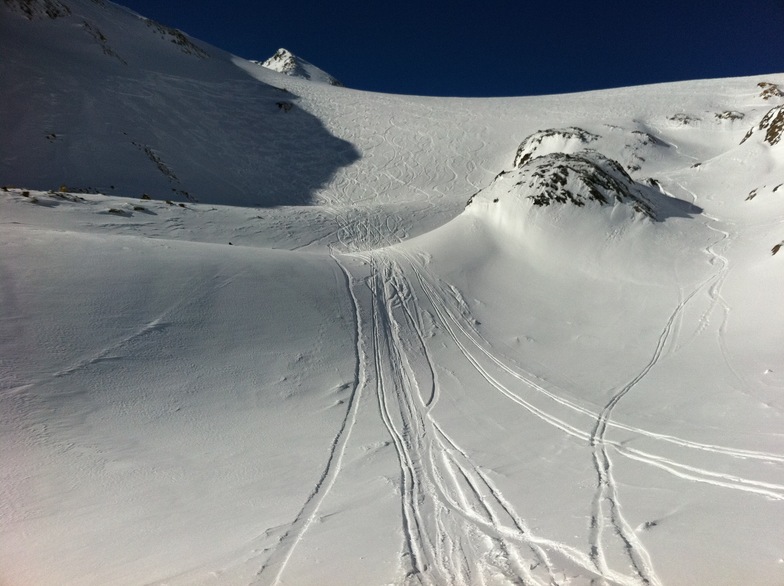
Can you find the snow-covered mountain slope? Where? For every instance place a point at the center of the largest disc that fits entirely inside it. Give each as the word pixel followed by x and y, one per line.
pixel 131 106
pixel 284 61
pixel 578 383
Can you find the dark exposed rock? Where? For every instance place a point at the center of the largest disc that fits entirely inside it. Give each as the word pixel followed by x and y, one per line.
pixel 572 179
pixel 583 177
pixel 683 119
pixel 101 39
pixel 769 90
pixel 729 115
pixel 772 124
pixel 33 9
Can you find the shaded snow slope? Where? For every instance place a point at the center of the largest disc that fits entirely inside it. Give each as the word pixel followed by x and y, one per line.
pixel 284 61
pixel 131 106
pixel 579 383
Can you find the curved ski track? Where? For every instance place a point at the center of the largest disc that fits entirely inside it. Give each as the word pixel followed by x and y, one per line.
pixel 273 568
pixel 457 527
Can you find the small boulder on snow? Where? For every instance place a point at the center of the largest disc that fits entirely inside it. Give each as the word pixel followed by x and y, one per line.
pixel 284 61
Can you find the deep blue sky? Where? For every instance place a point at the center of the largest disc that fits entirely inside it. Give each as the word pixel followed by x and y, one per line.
pixel 494 48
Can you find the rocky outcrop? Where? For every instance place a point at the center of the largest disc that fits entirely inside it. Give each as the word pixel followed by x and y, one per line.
pixel 553 140
pixel 577 179
pixel 769 90
pixel 561 178
pixel 772 124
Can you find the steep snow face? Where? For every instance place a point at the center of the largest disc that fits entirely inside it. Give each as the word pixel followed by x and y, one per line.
pixel 284 61
pixel 32 9
pixel 769 90
pixel 133 106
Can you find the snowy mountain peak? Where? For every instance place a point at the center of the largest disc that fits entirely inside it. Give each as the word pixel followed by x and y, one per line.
pixel 284 61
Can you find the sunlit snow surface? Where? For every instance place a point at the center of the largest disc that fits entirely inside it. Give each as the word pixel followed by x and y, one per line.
pixel 382 386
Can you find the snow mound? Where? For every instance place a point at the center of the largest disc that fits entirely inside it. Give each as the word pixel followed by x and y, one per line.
pixel 587 178
pixel 284 61
pixel 553 140
pixel 772 124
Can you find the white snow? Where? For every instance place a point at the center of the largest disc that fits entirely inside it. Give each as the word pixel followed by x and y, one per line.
pixel 284 61
pixel 315 365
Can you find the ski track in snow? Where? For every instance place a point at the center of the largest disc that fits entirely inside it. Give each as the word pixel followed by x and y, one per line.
pixel 458 523
pixel 457 526
pixel 406 411
pixel 463 326
pixel 272 570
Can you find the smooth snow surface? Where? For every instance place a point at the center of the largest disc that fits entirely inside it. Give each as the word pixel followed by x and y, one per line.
pixel 385 385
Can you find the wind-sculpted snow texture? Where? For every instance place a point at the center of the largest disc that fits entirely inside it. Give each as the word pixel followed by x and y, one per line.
pixel 575 379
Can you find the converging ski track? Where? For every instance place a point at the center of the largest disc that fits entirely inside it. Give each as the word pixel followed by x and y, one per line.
pixel 456 524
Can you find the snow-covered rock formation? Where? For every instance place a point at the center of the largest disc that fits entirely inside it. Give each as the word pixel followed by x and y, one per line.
pixel 772 124
pixel 553 140
pixel 284 61
pixel 587 177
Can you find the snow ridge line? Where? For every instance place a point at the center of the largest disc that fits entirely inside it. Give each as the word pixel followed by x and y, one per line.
pixel 156 325
pixel 288 542
pixel 103 355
